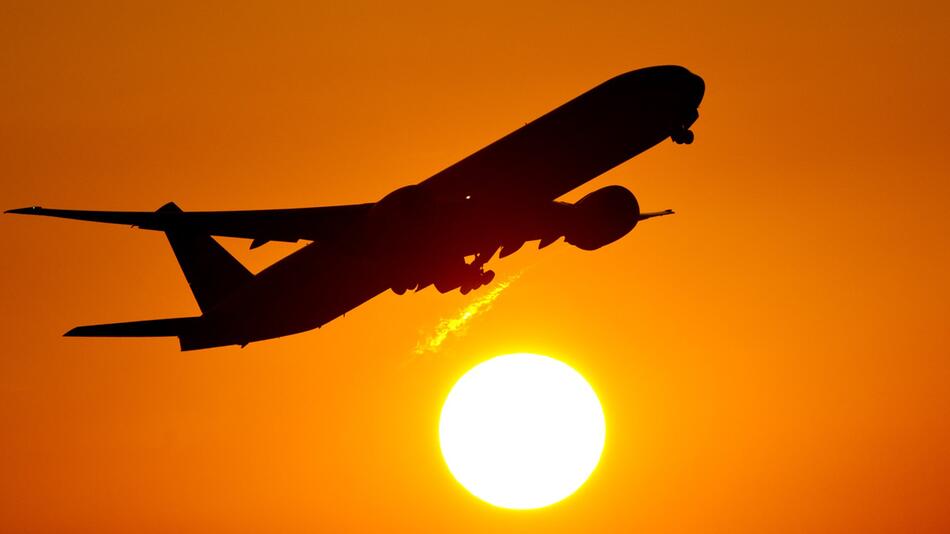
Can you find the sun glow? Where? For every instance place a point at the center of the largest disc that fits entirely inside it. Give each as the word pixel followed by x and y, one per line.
pixel 522 431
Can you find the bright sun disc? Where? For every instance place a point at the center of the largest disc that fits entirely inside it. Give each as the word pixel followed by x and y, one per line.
pixel 522 431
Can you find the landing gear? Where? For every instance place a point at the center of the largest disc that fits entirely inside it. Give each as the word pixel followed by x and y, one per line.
pixel 682 136
pixel 450 276
pixel 465 278
pixel 484 278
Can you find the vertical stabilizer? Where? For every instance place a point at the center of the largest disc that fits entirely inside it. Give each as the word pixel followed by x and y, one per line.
pixel 211 271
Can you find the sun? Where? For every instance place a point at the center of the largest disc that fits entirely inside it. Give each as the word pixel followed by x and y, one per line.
pixel 522 431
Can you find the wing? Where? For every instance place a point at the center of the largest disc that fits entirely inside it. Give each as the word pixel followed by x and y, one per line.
pixel 539 162
pixel 576 142
pixel 315 224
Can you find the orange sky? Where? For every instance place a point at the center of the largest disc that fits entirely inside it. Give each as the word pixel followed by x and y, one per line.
pixel 774 358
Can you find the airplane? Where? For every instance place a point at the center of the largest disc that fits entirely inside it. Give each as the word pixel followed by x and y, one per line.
pixel 498 198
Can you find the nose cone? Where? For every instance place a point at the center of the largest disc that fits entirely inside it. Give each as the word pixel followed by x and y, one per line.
pixel 695 88
pixel 686 87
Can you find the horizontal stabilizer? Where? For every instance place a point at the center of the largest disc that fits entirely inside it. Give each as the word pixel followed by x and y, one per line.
pixel 152 328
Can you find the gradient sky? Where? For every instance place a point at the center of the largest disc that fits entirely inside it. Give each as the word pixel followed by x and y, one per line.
pixel 774 358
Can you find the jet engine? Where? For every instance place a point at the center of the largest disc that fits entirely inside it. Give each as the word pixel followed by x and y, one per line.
pixel 602 217
pixel 401 220
pixel 400 206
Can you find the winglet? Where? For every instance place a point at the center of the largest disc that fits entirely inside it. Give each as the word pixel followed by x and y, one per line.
pixel 651 215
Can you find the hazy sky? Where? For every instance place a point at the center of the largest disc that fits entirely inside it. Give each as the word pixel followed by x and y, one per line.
pixel 774 358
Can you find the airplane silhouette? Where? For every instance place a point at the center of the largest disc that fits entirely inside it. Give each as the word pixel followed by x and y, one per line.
pixel 497 198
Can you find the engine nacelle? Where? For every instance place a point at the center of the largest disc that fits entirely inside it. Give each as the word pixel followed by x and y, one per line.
pixel 401 205
pixel 602 217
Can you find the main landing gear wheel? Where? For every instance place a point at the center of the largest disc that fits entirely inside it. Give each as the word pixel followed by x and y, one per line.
pixel 682 137
pixel 484 279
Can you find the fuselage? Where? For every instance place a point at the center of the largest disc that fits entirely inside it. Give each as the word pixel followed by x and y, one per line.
pixel 419 230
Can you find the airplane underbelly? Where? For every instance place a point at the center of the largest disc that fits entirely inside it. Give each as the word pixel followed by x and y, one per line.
pixel 303 291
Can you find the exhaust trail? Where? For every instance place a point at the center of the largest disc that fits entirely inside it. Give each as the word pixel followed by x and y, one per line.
pixel 457 324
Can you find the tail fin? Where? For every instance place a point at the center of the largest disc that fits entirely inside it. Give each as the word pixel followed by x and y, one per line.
pixel 153 328
pixel 210 270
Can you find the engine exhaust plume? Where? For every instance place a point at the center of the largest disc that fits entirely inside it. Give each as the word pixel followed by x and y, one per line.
pixel 457 325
